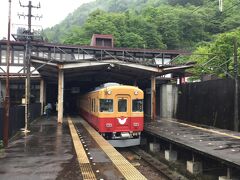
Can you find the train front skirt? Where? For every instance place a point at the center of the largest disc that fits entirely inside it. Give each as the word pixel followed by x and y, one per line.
pixel 124 142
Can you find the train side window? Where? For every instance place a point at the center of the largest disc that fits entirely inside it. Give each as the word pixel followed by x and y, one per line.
pixel 137 105
pixel 106 105
pixel 122 105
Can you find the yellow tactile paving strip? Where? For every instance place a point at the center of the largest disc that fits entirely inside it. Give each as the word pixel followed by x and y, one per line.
pixel 205 129
pixel 125 167
pixel 83 161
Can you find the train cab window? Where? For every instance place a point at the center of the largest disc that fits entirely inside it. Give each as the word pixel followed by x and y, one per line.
pixel 122 105
pixel 137 105
pixel 106 105
pixel 92 105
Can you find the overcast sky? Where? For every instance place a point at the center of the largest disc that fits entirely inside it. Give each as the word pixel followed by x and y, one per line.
pixel 53 12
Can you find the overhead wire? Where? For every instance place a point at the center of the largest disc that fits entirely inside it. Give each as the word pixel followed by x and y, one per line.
pixel 210 20
pixel 224 12
pixel 199 7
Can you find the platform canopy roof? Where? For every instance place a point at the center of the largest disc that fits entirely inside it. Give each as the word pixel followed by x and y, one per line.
pixel 98 64
pixel 104 70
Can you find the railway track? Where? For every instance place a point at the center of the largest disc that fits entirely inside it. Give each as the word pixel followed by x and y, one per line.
pixel 143 162
pixel 149 166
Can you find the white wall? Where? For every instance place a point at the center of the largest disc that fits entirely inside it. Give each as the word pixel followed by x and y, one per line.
pixel 168 100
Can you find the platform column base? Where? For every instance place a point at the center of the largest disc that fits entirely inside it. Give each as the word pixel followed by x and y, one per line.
pixel 227 178
pixel 143 141
pixel 154 147
pixel 194 167
pixel 171 155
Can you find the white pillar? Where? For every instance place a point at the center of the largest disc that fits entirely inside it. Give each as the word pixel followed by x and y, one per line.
pixel 170 155
pixel 194 167
pixel 153 98
pixel 42 95
pixel 60 95
pixel 228 176
pixel 154 147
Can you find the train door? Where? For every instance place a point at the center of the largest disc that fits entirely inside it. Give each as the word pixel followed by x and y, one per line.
pixel 123 112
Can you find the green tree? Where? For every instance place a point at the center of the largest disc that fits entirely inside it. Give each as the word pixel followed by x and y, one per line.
pixel 216 57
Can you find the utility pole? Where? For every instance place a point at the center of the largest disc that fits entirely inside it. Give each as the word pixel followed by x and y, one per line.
pixel 29 36
pixel 236 120
pixel 7 97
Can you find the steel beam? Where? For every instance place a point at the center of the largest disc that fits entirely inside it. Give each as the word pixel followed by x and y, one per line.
pixel 7 97
pixel 153 98
pixel 236 85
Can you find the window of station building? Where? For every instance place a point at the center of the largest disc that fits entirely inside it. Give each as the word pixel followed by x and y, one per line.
pixel 78 56
pixel 34 53
pixel 106 105
pixel 18 57
pixel 13 86
pixel 137 105
pixel 66 57
pixel 43 54
pixel 4 56
pixel 122 105
pixel 56 56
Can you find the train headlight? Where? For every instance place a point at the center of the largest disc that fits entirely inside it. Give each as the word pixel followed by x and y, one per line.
pixel 109 92
pixel 108 125
pixel 136 92
pixel 135 124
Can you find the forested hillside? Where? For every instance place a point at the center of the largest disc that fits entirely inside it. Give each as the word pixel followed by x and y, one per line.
pixel 163 24
pixel 171 24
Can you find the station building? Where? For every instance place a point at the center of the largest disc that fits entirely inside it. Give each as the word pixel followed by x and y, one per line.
pixel 59 73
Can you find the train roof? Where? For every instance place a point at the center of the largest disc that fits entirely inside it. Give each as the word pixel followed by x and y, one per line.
pixel 110 84
pixel 113 86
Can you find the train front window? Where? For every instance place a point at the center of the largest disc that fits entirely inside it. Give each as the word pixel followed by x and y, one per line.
pixel 122 105
pixel 137 105
pixel 106 105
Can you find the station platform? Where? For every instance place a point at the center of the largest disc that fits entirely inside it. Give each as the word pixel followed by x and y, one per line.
pixel 220 144
pixel 46 152
pixel 73 150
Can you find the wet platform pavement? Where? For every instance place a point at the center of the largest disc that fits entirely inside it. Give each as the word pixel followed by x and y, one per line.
pixel 99 161
pixel 45 153
pixel 49 151
pixel 219 144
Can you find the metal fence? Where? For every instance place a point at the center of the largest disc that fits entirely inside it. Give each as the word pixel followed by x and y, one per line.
pixel 17 117
pixel 208 103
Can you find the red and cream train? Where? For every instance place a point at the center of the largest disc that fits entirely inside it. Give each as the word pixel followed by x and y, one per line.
pixel 116 112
